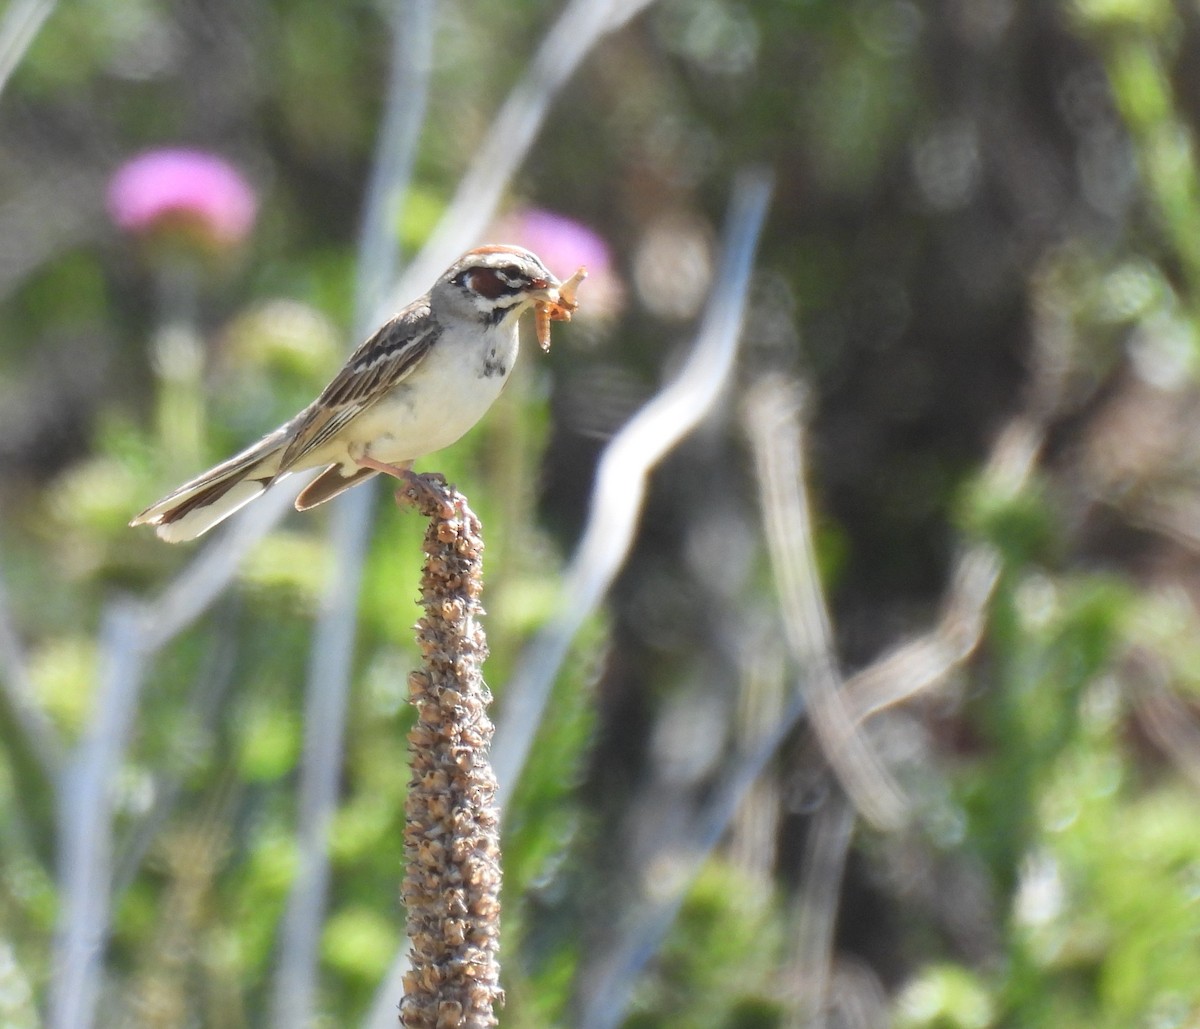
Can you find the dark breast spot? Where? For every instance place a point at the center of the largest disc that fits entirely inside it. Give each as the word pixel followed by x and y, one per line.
pixel 493 366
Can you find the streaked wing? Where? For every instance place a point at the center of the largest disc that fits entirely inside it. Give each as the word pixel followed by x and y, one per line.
pixel 380 363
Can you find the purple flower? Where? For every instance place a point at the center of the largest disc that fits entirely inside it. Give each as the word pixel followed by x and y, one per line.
pixel 563 245
pixel 191 190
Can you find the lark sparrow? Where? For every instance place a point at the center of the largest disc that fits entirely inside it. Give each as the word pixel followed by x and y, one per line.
pixel 415 386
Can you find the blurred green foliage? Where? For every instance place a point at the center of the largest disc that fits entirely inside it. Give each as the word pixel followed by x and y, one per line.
pixel 979 205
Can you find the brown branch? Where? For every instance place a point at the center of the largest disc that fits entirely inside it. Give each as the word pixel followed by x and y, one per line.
pixel 451 843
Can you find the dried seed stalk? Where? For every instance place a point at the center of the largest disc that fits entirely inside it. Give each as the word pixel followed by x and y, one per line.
pixel 451 843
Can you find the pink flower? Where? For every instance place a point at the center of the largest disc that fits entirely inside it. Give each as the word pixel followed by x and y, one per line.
pixel 563 245
pixel 191 190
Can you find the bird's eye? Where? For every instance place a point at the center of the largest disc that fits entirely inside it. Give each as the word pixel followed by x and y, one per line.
pixel 492 283
pixel 487 282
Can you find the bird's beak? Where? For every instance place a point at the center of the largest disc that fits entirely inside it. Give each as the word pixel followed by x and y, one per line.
pixel 545 289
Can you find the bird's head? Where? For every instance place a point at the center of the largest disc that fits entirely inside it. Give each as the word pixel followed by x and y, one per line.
pixel 493 283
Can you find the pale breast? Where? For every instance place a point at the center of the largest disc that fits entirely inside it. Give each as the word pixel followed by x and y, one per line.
pixel 443 398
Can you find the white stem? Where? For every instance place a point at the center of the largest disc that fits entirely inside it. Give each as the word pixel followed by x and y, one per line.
pixel 18 28
pixel 621 482
pixel 85 839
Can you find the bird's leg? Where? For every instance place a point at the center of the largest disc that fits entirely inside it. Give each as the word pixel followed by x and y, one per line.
pixel 430 484
pixel 402 471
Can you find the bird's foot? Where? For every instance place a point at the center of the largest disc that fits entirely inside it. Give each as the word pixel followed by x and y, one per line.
pixel 421 490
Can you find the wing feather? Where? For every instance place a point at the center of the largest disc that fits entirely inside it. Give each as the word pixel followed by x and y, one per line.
pixel 380 363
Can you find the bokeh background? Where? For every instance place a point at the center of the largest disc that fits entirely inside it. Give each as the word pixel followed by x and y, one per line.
pixel 953 788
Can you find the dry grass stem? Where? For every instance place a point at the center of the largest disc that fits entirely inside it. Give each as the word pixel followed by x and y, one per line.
pixel 828 843
pixel 776 431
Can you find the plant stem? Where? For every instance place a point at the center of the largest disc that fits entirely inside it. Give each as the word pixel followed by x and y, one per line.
pixel 452 841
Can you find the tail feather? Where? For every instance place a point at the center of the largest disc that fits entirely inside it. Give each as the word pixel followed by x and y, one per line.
pixel 329 484
pixel 201 515
pixel 199 504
